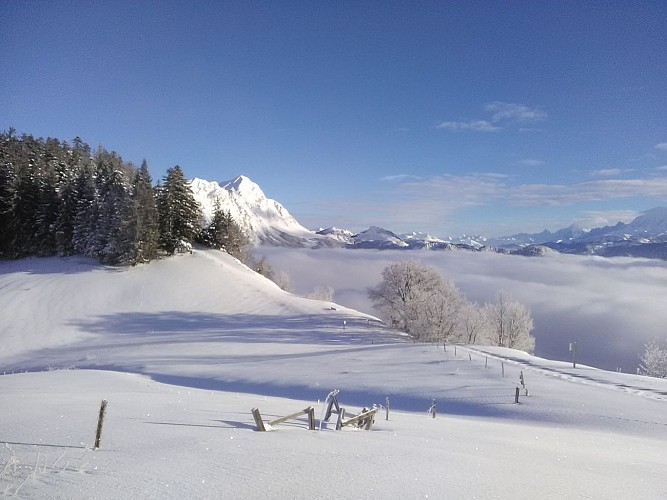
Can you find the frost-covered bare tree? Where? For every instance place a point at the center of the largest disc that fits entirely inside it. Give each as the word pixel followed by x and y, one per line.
pixel 473 323
pixel 414 298
pixel 510 323
pixel 438 312
pixel 283 281
pixel 654 360
pixel 320 292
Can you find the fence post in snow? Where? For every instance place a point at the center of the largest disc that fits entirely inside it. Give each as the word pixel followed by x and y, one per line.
pixel 387 408
pixel 455 355
pixel 516 395
pixel 470 357
pixel 502 365
pixel 258 420
pixel 311 418
pixel 433 409
pixel 486 363
pixel 100 423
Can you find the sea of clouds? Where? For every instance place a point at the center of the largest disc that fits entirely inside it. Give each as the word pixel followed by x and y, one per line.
pixel 610 307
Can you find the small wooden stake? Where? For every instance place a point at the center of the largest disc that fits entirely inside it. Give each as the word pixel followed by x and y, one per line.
pixel 486 363
pixel 341 416
pixel 387 408
pixel 502 365
pixel 258 420
pixel 311 418
pixel 100 423
pixel 470 357
pixel 516 395
pixel 433 409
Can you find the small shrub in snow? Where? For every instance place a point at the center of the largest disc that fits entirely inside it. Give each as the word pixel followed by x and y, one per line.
pixel 654 360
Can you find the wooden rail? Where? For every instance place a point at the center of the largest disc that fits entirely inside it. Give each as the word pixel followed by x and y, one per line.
pixel 259 422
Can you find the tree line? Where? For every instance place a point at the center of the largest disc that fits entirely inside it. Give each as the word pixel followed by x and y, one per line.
pixel 60 198
pixel 416 299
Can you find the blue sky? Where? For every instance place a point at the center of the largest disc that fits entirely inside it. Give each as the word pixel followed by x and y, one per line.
pixel 447 117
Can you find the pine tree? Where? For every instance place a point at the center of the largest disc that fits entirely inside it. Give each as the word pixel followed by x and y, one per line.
pixel 179 212
pixel 7 189
pixel 147 227
pixel 87 212
pixel 115 231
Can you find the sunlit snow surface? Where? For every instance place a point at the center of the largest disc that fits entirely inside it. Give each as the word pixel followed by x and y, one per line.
pixel 185 347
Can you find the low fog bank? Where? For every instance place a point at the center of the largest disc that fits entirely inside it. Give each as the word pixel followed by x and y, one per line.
pixel 610 307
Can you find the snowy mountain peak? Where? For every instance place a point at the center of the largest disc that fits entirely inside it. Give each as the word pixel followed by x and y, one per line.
pixel 245 188
pixel 264 220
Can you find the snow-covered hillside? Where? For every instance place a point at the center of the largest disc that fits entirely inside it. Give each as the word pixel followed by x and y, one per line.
pixel 185 347
pixel 264 220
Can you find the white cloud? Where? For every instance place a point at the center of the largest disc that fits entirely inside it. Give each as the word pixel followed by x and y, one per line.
pixel 593 218
pixel 566 194
pixel 501 113
pixel 607 172
pixel 661 146
pixel 661 167
pixel 530 162
pixel 440 204
pixel 473 125
pixel 514 112
pixel 399 177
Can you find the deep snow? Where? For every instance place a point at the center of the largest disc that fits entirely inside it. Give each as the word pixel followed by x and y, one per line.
pixel 185 347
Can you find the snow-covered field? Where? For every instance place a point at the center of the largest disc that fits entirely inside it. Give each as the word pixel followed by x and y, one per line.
pixel 185 347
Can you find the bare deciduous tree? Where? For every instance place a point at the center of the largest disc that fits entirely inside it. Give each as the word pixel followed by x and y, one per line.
pixel 473 323
pixel 510 323
pixel 414 298
pixel 325 293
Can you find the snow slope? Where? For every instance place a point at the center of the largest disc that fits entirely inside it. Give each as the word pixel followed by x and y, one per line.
pixel 183 348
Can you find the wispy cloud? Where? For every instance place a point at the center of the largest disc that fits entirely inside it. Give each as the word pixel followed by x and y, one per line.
pixel 661 167
pixel 593 218
pixel 607 172
pixel 662 146
pixel 399 178
pixel 474 125
pixel 431 204
pixel 502 114
pixel 530 162
pixel 509 111
pixel 566 194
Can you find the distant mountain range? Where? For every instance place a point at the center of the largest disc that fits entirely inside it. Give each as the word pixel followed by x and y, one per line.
pixel 267 222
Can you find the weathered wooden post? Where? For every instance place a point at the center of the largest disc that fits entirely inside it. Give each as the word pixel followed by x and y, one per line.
pixel 433 409
pixel 258 420
pixel 523 384
pixel 387 408
pixel 341 416
pixel 470 357
pixel 100 423
pixel 455 355
pixel 516 395
pixel 486 363
pixel 311 418
pixel 502 366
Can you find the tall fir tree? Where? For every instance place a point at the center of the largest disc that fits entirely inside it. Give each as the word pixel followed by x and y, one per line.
pixel 179 212
pixel 147 227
